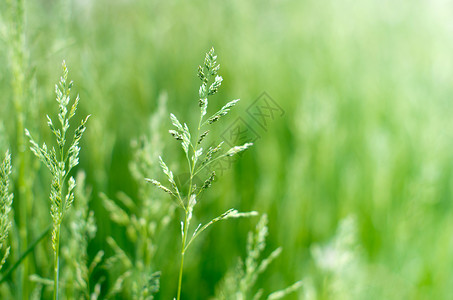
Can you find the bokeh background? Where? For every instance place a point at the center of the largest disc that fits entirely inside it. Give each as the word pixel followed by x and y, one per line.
pixel 355 176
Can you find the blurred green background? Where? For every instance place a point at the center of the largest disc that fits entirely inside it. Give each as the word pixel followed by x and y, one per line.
pixel 366 87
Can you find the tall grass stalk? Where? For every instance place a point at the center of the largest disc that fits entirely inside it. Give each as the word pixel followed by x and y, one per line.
pixel 18 54
pixel 60 162
pixel 6 200
pixel 211 82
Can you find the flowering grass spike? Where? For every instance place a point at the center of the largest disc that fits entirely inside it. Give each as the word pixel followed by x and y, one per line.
pixel 60 162
pixel 210 84
pixel 6 200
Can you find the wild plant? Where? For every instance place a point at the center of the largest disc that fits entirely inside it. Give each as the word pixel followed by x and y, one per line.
pixel 6 200
pixel 82 229
pixel 145 219
pixel 197 159
pixel 60 162
pixel 239 283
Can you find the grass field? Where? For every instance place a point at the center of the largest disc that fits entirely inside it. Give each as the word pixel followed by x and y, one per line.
pixel 348 105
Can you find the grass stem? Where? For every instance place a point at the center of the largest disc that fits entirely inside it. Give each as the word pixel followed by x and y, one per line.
pixel 183 251
pixel 56 262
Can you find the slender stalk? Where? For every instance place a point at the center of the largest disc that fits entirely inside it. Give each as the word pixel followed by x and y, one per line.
pixel 60 168
pixel 183 251
pixel 180 276
pixel 186 218
pixel 56 262
pixel 57 225
pixel 183 134
pixel 18 59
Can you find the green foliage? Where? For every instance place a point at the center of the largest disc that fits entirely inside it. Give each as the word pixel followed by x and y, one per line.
pixel 366 131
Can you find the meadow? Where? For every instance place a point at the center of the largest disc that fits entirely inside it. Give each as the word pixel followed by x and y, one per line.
pixel 347 189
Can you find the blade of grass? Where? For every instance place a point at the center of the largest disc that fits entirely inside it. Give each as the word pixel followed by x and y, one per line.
pixel 25 254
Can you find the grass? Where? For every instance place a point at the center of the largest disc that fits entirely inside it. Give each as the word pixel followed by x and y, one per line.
pixel 6 200
pixel 60 162
pixel 198 160
pixel 366 134
pixel 239 282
